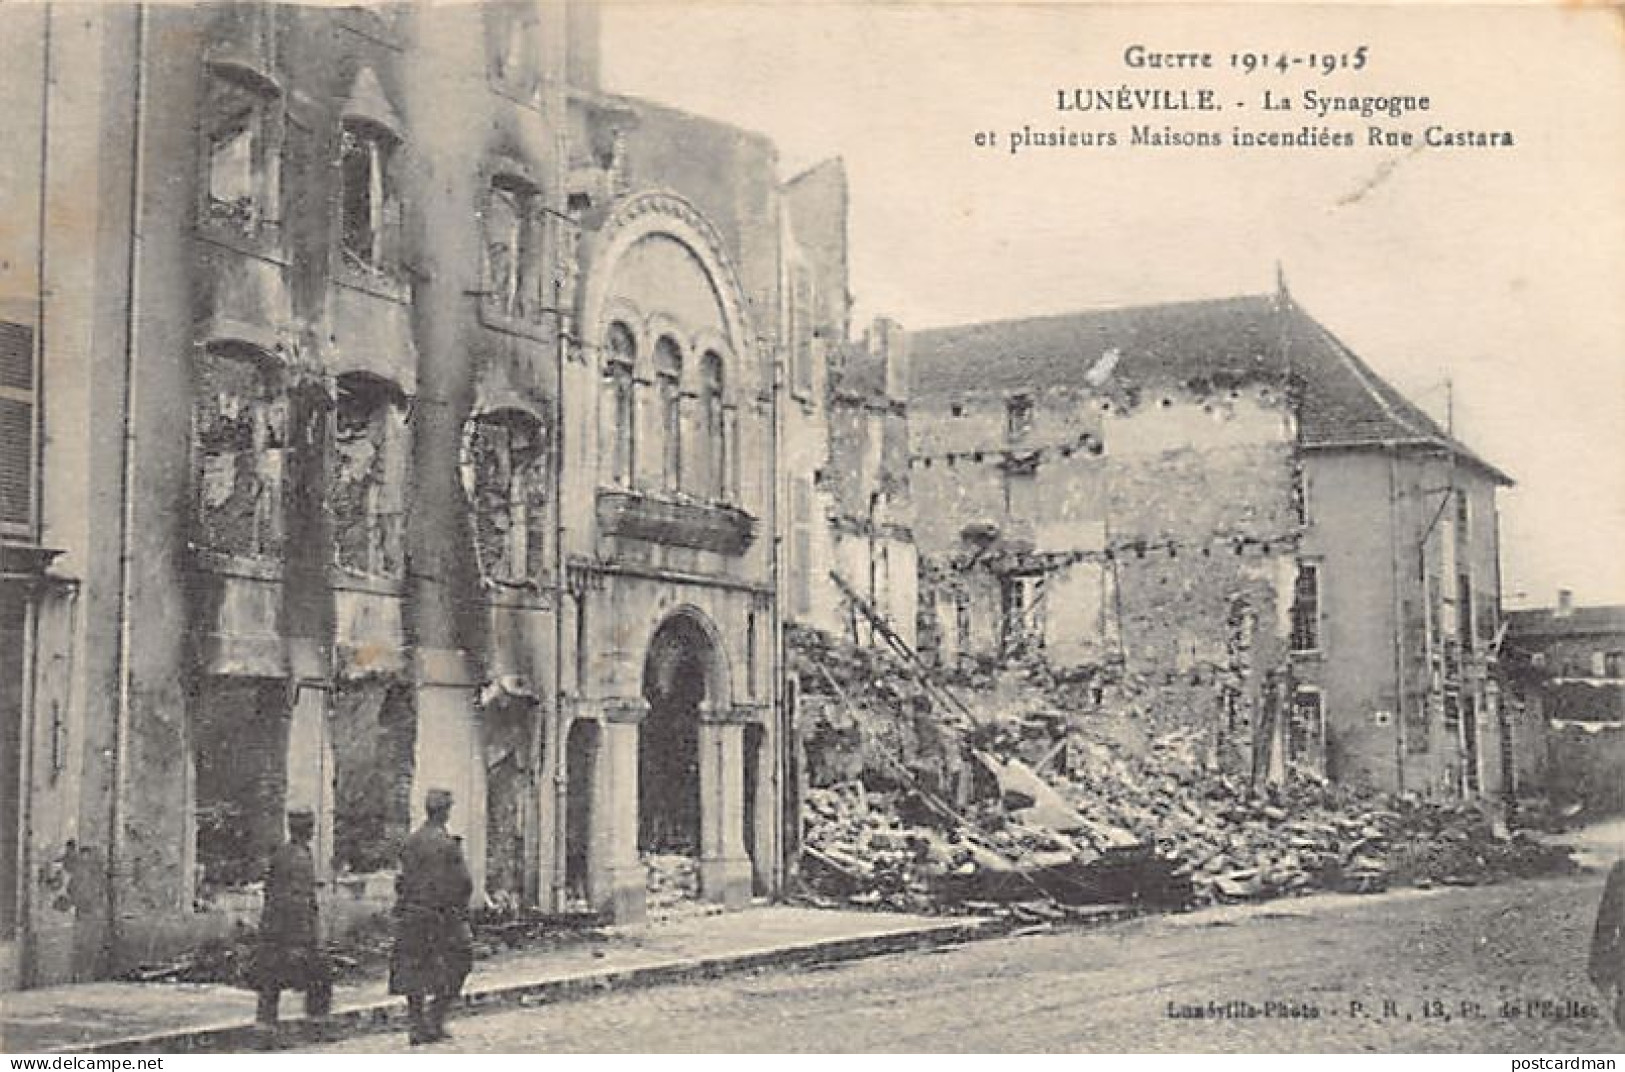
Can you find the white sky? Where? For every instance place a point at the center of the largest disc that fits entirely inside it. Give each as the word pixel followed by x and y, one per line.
pixel 1502 270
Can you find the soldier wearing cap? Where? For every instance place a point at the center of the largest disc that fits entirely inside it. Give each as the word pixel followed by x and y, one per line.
pixel 289 954
pixel 433 945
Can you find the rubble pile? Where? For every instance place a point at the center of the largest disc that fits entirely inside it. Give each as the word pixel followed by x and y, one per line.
pixel 1077 806
pixel 673 878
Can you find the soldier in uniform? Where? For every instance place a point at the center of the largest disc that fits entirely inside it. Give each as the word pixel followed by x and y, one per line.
pixel 1607 963
pixel 290 955
pixel 433 945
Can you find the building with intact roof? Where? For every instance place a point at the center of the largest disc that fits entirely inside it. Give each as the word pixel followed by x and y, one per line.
pixel 1221 509
pixel 1568 664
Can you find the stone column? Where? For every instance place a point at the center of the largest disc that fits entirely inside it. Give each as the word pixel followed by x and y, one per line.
pixel 618 883
pixel 724 865
pixel 310 748
pixel 448 753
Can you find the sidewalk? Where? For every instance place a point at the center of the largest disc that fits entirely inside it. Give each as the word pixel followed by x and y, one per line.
pixel 182 1017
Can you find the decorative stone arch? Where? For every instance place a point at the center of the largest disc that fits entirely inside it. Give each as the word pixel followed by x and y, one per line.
pixel 659 212
pixel 624 311
pixel 719 673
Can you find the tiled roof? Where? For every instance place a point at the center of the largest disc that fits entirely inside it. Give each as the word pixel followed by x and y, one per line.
pixel 1546 622
pixel 1341 401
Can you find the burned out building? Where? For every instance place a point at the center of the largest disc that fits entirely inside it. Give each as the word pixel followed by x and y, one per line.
pixel 386 405
pixel 1222 511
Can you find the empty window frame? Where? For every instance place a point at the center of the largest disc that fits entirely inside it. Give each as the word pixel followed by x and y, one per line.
pixel 1306 608
pixel 505 475
pixel 242 136
pixel 241 451
pixel 1306 729
pixel 515 48
pixel 369 476
pixel 514 228
pixel 369 206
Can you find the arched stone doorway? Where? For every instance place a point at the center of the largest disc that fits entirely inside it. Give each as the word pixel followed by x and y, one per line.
pixel 691 766
pixel 677 683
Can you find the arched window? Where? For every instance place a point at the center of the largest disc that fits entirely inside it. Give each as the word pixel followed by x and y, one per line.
pixel 505 475
pixel 369 476
pixel 240 443
pixel 620 355
pixel 669 380
pixel 716 429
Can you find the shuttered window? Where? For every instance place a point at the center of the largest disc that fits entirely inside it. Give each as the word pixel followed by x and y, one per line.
pixel 17 395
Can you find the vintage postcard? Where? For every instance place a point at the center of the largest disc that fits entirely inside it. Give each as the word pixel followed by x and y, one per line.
pixel 538 527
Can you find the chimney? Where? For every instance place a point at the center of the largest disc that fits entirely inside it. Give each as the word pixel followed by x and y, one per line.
pixel 889 345
pixel 583 29
pixel 1565 602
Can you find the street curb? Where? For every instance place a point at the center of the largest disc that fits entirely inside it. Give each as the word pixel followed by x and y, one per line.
pixel 390 1014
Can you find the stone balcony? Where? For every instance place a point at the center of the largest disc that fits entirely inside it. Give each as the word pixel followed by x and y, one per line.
pixel 724 530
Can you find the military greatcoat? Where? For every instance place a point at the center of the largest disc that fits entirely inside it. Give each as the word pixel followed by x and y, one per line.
pixel 433 944
pixel 289 954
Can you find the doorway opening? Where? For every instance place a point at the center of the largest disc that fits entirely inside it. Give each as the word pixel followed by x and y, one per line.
pixel 581 760
pixel 675 676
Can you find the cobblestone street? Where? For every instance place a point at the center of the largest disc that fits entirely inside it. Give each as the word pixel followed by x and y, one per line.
pixel 1439 970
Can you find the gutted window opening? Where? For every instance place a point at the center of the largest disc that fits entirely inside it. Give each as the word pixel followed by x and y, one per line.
pixel 513 249
pixel 1022 603
pixel 240 754
pixel 369 207
pixel 620 356
pixel 374 733
pixel 669 380
pixel 515 48
pixel 240 440
pixel 369 476
pixel 1306 608
pixel 1306 730
pixel 242 152
pixel 505 476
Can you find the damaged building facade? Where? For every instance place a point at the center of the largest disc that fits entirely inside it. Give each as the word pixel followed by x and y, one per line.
pixel 1216 511
pixel 387 405
pixel 1567 664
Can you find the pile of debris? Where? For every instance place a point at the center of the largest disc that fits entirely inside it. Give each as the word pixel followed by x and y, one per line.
pixel 1043 803
pixel 673 879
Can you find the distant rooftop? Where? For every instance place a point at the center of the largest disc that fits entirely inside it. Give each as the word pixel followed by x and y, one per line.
pixel 1342 401
pixel 1577 621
